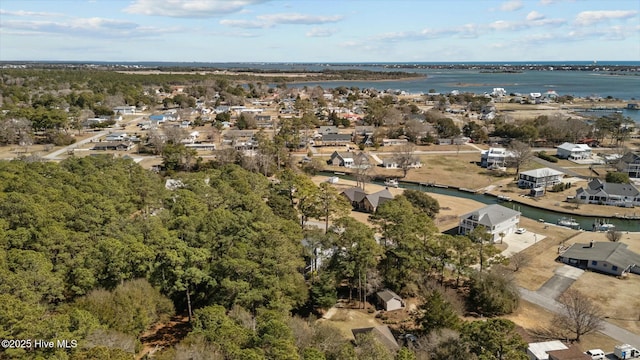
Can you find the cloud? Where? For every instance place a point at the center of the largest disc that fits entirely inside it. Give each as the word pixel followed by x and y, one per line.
pixel 512 5
pixel 29 13
pixel 189 8
pixel 320 32
pixel 271 20
pixel 299 19
pixel 534 15
pixel 591 17
pixel 83 27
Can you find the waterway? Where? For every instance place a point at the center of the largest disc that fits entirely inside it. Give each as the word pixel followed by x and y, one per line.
pixel 537 214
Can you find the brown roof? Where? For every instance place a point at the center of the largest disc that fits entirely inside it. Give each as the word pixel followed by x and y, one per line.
pixel 572 353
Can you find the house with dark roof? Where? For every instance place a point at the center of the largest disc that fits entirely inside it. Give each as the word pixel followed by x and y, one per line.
pixel 372 201
pixel 389 300
pixel 607 257
pixel 630 164
pixel 335 139
pixel 495 218
pixel 382 333
pixel 114 145
pixel 362 201
pixel 605 193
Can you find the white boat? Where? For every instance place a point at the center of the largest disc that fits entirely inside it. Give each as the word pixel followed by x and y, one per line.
pixel 604 227
pixel 569 222
pixel 391 183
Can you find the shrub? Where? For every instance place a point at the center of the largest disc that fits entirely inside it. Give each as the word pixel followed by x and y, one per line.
pixel 544 156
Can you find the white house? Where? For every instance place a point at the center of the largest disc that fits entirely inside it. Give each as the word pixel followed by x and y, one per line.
pixel 394 142
pixel 124 110
pixel 117 136
pixel 389 300
pixel 574 151
pixel 495 218
pixel 495 157
pixel 539 178
pixel 539 350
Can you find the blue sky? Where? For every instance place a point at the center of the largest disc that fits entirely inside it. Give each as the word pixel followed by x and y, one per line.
pixel 320 30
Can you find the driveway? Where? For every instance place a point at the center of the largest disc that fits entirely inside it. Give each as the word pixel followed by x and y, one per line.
pixel 564 277
pixel 518 242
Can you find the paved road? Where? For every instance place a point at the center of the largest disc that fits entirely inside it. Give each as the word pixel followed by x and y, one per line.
pixel 557 167
pixel 54 155
pixel 615 332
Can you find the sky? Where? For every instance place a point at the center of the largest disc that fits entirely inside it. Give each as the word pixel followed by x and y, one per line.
pixel 320 30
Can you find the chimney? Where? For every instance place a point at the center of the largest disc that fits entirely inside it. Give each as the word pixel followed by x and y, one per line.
pixel 591 244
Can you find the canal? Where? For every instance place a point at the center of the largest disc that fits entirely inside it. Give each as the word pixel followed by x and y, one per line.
pixel 550 216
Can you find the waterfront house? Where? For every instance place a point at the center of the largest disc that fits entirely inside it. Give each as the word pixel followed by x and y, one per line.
pixel 355 196
pixel 389 163
pixel 574 151
pixel 496 219
pixel 372 201
pixel 604 193
pixel 495 157
pixel 611 258
pixel 630 164
pixel 539 178
pixel 340 159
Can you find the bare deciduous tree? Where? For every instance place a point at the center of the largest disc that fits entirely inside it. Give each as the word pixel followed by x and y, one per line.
pixel 522 154
pixel 362 170
pixel 580 315
pixel 519 260
pixel 614 236
pixel 405 157
pixel 174 134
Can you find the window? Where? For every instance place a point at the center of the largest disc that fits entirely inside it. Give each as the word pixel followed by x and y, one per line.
pixel 594 263
pixel 614 268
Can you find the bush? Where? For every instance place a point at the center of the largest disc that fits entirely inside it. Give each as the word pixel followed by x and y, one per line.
pixel 544 156
pixel 492 294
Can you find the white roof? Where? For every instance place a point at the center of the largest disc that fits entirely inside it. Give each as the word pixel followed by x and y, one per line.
pixel 539 349
pixel 543 172
pixel 574 147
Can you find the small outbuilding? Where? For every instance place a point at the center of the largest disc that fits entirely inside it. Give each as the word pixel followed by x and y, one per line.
pixel 389 300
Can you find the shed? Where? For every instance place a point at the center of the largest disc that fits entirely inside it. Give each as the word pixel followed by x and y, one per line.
pixel 389 300
pixel 382 333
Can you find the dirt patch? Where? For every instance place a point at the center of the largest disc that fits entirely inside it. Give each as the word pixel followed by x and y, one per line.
pixel 164 335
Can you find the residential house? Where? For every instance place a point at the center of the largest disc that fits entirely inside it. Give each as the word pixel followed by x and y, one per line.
pixel 372 201
pixel 335 139
pixel 96 121
pixel 389 300
pixel 539 178
pixel 389 163
pixel 612 258
pixel 117 136
pixel 394 142
pixel 323 130
pixel 630 164
pixel 539 350
pixel 264 121
pixel 124 110
pixel 382 333
pixel 604 193
pixel 341 159
pixel 495 218
pixel 355 196
pixel 572 353
pixel 574 151
pixel 495 157
pixel 114 145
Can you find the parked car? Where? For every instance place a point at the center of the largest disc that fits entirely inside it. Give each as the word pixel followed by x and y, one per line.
pixel 521 231
pixel 596 354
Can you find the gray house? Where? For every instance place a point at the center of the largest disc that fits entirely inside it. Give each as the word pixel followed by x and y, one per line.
pixel 604 193
pixel 341 159
pixel 335 139
pixel 362 201
pixel 389 300
pixel 496 219
pixel 607 257
pixel 630 164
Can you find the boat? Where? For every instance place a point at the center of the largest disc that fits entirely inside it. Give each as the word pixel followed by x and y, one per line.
pixel 569 222
pixel 603 226
pixel 503 198
pixel 391 183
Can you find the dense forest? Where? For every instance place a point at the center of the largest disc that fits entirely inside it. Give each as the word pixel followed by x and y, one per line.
pixel 98 250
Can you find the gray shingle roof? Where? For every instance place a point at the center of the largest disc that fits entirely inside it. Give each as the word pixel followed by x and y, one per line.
pixel 355 194
pixel 379 197
pixel 614 253
pixel 492 215
pixel 382 333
